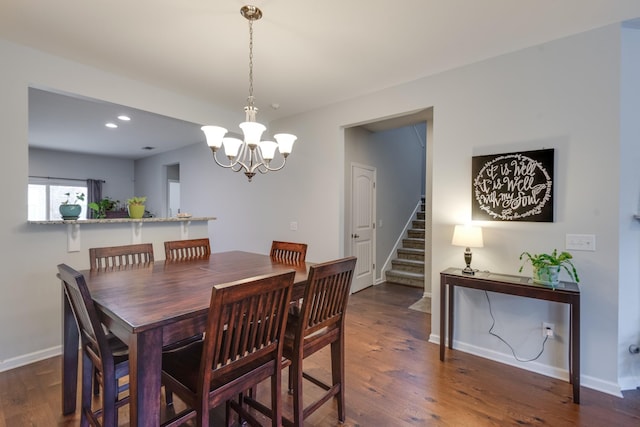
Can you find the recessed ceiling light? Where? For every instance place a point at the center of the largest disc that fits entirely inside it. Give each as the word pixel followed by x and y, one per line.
pixel 124 118
pixel 111 125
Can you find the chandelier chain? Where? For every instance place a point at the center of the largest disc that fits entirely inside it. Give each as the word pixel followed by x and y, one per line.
pixel 250 99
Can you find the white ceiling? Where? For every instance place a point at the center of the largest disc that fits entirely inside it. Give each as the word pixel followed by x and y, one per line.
pixel 307 53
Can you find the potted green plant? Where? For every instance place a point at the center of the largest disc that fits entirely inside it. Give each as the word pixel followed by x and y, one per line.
pixel 70 209
pixel 546 267
pixel 136 206
pixel 103 206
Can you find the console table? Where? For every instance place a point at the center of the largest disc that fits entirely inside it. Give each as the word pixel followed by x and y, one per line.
pixel 565 292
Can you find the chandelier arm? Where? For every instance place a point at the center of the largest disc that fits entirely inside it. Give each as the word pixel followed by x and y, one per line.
pixel 230 165
pixel 270 169
pixel 239 166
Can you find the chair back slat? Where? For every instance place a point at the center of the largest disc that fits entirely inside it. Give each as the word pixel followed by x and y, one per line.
pixel 245 325
pixel 114 257
pixel 326 294
pixel 288 252
pixel 178 250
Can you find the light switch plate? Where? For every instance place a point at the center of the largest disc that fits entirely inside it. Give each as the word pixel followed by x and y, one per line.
pixel 580 242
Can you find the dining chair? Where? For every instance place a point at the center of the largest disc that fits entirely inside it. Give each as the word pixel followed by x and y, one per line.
pixel 242 347
pixel 114 257
pixel 107 355
pixel 177 250
pixel 317 323
pixel 288 252
pixel 184 250
pixel 320 322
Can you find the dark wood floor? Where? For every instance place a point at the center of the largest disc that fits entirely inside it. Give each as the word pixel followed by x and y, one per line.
pixel 394 378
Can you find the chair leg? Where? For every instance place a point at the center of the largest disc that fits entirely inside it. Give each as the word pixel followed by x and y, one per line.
pixel 109 397
pixel 296 380
pixel 202 417
pixel 337 374
pixel 276 399
pixel 227 414
pixel 87 378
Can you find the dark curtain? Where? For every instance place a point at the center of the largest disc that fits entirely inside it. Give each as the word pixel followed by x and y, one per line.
pixel 94 194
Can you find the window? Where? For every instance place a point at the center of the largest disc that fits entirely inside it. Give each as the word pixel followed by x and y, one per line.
pixel 46 194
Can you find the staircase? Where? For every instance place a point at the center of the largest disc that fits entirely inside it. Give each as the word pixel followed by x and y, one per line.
pixel 408 267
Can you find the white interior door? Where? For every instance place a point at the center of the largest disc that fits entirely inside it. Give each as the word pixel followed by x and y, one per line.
pixel 174 198
pixel 363 201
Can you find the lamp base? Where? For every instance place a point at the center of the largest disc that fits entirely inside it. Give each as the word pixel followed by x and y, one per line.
pixel 467 260
pixel 468 270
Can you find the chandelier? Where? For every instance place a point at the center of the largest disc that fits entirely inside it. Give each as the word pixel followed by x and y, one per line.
pixel 250 155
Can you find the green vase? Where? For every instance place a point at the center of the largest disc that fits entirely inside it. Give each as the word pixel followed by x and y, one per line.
pixel 136 211
pixel 70 212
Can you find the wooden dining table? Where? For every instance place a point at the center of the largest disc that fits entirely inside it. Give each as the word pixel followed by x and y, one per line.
pixel 153 305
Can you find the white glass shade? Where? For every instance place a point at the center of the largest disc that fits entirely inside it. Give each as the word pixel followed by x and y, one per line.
pixel 268 149
pixel 214 135
pixel 231 146
pixel 468 236
pixel 285 142
pixel 252 132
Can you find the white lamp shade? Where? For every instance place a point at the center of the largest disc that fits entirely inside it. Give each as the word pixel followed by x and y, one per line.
pixel 252 132
pixel 268 149
pixel 468 236
pixel 214 135
pixel 285 142
pixel 231 146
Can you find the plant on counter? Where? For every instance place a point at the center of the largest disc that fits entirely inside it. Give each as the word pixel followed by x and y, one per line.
pixel 546 267
pixel 103 206
pixel 77 196
pixel 136 206
pixel 137 201
pixel 70 210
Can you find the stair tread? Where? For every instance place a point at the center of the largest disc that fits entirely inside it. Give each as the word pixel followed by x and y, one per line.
pixel 408 261
pixel 414 250
pixel 405 273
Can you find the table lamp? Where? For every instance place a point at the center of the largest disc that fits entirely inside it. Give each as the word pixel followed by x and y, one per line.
pixel 470 237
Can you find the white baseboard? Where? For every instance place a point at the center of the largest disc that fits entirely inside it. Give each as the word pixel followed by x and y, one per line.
pixel 25 359
pixel 539 368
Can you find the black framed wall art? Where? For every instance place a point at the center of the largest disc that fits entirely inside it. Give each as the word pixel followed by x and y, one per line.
pixel 513 186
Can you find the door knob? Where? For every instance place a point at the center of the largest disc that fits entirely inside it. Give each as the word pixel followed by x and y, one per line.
pixel 355 236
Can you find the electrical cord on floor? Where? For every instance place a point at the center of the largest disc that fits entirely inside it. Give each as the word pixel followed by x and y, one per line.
pixel 493 323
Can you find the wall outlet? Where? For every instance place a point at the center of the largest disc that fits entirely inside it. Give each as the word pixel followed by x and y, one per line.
pixel 548 329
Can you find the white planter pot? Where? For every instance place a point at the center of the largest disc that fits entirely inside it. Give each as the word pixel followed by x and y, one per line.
pixel 547 275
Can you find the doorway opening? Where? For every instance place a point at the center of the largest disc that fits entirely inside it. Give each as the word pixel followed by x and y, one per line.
pixel 398 149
